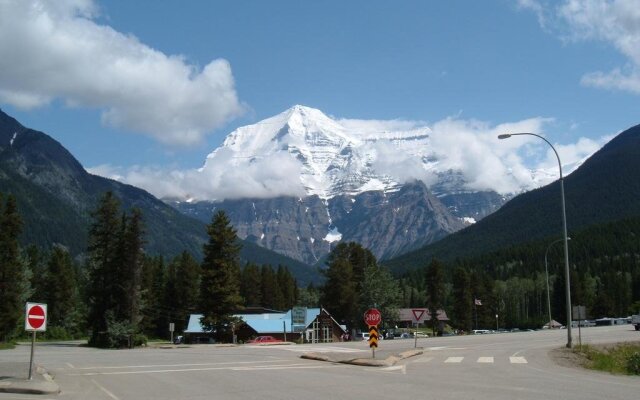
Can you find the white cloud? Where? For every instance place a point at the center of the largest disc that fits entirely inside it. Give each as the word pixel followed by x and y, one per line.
pixel 468 146
pixel 616 22
pixel 56 50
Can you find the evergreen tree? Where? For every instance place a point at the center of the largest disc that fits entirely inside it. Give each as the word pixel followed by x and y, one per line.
pixel 62 299
pixel 103 266
pixel 287 287
pixel 187 289
pixel 115 265
pixel 220 285
pixel 434 277
pixel 36 264
pixel 12 269
pixel 462 299
pixel 339 295
pixel 152 296
pixel 251 285
pixel 132 257
pixel 271 294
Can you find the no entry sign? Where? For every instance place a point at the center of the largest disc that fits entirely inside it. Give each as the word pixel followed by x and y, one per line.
pixel 36 317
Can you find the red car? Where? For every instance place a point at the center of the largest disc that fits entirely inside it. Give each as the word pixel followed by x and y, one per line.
pixel 265 339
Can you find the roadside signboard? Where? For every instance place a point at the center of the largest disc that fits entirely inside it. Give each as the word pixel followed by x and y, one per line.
pixel 418 315
pixel 372 317
pixel 373 336
pixel 36 317
pixel 298 318
pixel 35 320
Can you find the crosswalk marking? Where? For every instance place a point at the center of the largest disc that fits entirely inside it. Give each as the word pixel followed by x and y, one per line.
pixel 480 360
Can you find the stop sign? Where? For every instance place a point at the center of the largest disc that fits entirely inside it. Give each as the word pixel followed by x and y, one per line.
pixel 372 317
pixel 36 318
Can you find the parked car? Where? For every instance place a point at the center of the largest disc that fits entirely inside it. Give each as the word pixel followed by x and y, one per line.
pixel 265 339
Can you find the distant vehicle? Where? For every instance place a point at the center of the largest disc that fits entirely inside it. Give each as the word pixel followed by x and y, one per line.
pixel 178 340
pixel 480 331
pixel 420 334
pixel 265 339
pixel 635 320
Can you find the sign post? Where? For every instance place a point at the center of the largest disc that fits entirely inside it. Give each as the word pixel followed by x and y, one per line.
pixel 35 320
pixel 172 327
pixel 417 315
pixel 373 318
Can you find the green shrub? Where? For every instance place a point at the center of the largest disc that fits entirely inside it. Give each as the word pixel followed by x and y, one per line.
pixel 633 363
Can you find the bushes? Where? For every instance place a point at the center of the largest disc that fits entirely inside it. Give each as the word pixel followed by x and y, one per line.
pixel 633 363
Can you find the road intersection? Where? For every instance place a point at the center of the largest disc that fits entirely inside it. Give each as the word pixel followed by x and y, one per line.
pixel 500 366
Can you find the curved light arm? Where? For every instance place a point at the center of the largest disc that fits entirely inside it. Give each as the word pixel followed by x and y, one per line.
pixel 508 135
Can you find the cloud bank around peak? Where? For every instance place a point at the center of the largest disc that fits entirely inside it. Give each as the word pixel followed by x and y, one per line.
pixel 469 147
pixel 616 22
pixel 57 50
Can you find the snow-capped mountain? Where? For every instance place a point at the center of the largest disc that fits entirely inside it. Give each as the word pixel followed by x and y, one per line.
pixel 301 180
pixel 355 182
pixel 335 159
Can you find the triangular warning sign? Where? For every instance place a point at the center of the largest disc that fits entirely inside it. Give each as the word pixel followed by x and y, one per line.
pixel 417 314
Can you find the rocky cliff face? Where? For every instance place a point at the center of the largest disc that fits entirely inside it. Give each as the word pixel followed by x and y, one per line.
pixel 388 224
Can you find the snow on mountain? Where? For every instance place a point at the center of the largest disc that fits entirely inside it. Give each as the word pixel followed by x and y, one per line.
pixel 334 159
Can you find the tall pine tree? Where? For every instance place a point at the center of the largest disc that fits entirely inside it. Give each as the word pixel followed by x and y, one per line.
pixel 12 269
pixel 220 282
pixel 435 281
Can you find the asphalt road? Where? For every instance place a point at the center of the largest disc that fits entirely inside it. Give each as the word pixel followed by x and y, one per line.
pixel 496 366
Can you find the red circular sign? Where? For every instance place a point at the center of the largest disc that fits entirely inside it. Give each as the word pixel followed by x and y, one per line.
pixel 36 317
pixel 372 317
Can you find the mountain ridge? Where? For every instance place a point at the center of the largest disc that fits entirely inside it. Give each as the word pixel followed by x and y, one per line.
pixel 604 188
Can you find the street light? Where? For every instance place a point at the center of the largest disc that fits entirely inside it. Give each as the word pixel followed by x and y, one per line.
pixel 546 271
pixel 564 229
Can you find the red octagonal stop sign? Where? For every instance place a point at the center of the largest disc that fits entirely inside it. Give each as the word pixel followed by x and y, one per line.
pixel 36 318
pixel 372 317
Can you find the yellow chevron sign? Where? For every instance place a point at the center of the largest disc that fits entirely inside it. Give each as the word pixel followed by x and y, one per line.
pixel 373 336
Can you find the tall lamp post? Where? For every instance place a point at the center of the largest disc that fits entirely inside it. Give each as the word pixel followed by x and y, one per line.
pixel 546 271
pixel 564 229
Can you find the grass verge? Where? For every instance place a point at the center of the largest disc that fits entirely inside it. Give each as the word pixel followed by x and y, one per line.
pixel 620 358
pixel 7 346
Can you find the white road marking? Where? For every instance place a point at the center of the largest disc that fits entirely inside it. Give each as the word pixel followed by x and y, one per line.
pixel 454 360
pixel 316 349
pixel 402 368
pixel 518 360
pixel 423 360
pixel 485 360
pixel 176 365
pixel 230 368
pixel 113 396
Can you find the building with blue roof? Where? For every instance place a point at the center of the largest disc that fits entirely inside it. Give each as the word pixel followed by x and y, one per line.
pixel 298 324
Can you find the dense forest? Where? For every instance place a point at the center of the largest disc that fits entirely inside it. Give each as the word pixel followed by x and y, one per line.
pixel 118 296
pixel 604 277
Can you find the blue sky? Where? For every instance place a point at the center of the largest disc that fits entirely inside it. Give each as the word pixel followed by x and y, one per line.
pixel 130 83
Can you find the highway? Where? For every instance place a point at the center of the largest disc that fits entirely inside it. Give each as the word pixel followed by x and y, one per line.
pixel 493 366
